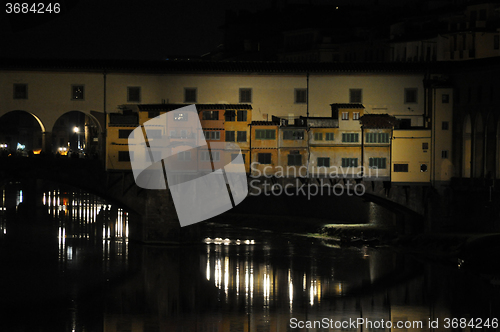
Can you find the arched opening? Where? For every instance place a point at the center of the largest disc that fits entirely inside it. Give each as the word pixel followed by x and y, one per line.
pixel 21 133
pixel 491 148
pixel 467 148
pixel 76 133
pixel 478 159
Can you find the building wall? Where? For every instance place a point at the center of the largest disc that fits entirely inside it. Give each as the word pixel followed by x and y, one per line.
pixel 443 169
pixel 407 148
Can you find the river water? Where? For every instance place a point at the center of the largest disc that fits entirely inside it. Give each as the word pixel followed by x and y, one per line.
pixel 67 265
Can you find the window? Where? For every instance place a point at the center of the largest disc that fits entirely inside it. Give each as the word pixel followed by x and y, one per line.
pixel 153 114
pixel 349 162
pixel 265 134
pixel 445 98
pixel 190 95
pixel 377 138
pixel 425 146
pixel 293 134
pixel 411 95
pixel 216 155
pixel 294 159
pixel 125 155
pixel 134 94
pixel 264 158
pixel 124 133
pixel 345 115
pixel 300 96
pixel 445 125
pixel 318 136
pixel 234 155
pixel 77 92
pixel 210 115
pixel 355 96
pixel 323 162
pixel 153 133
pixel 241 136
pixel 184 155
pixel 400 167
pixel 212 135
pixel 379 163
pixel 496 42
pixel 329 136
pixel 230 115
pixel 229 136
pixel 242 116
pixel 20 91
pixel 205 155
pixel 423 167
pixel 245 95
pixel 355 115
pixel 350 138
pixel 444 154
pixel 180 116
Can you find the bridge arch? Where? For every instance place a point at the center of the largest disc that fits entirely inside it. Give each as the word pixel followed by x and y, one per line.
pixel 77 130
pixel 467 147
pixel 478 149
pixel 22 131
pixel 491 147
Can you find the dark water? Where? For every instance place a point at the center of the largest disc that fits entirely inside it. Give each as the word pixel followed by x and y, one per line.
pixel 67 265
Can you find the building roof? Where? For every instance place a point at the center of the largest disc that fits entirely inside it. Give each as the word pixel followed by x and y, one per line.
pixel 164 67
pixel 378 121
pixel 346 105
pixel 199 107
pixel 265 123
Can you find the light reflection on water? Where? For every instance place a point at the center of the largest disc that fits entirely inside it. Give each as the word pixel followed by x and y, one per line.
pixel 92 279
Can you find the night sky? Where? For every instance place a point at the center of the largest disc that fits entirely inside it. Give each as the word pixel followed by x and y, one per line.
pixel 119 29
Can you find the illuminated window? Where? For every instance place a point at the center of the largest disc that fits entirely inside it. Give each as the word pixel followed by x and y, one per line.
pixel 245 95
pixel 190 95
pixel 77 92
pixel 20 91
pixel 134 94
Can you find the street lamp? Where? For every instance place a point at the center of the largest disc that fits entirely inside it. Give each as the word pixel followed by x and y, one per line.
pixel 77 132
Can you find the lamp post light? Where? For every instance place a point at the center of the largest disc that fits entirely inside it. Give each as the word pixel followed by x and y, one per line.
pixel 77 132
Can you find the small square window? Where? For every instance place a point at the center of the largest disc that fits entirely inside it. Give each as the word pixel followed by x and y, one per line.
pixel 323 162
pixel 400 167
pixel 230 136
pixel 411 95
pixel 230 115
pixel 355 96
pixel 134 94
pixel 241 136
pixel 425 146
pixel 444 154
pixel 445 125
pixel 300 96
pixel 190 95
pixel 445 98
pixel 345 115
pixel 318 136
pixel 294 159
pixel 20 91
pixel 245 95
pixel 264 158
pixel 77 92
pixel 423 167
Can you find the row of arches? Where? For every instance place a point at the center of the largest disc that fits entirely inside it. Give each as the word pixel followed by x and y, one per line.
pixel 76 132
pixel 480 146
